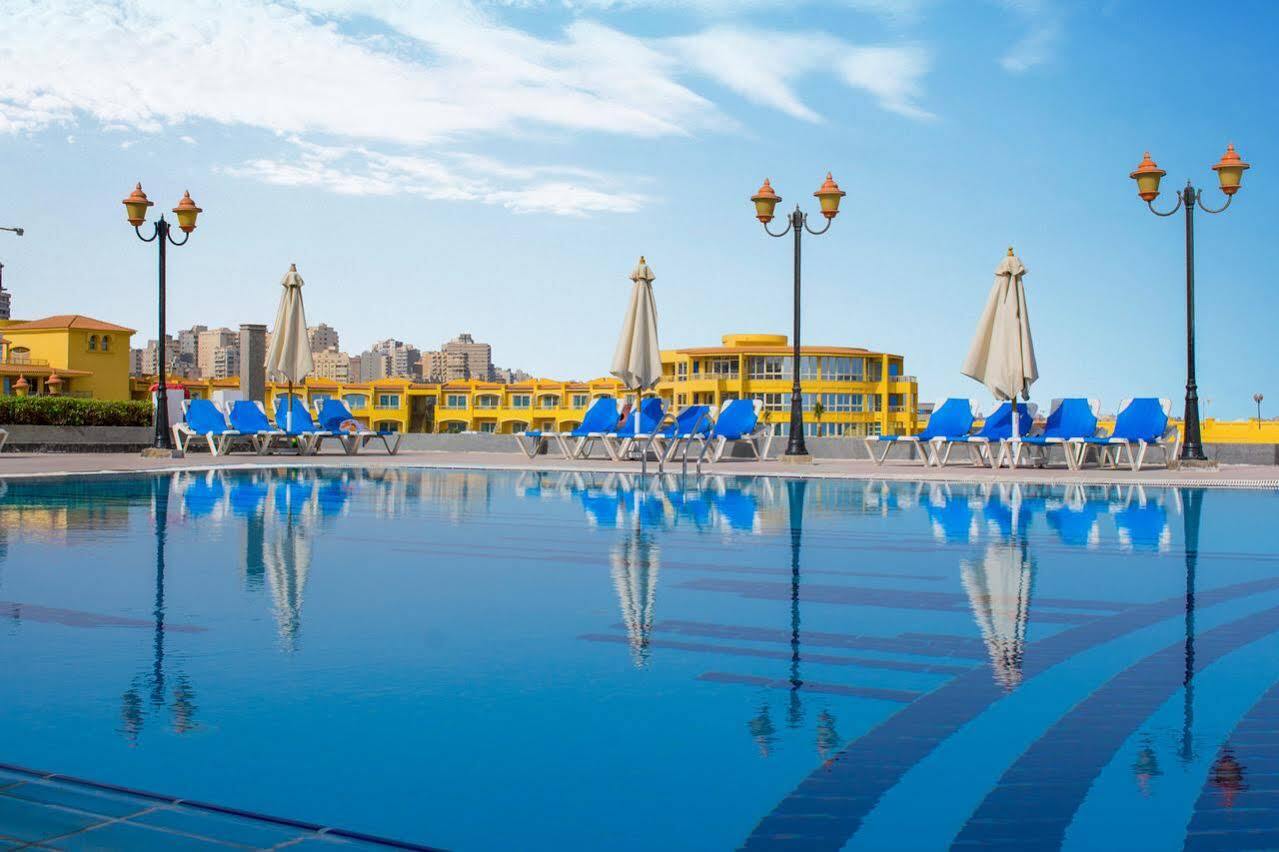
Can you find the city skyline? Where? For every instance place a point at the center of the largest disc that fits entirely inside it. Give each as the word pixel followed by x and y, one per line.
pixel 440 184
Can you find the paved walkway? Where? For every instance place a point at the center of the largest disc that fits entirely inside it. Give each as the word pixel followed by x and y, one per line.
pixel 1235 476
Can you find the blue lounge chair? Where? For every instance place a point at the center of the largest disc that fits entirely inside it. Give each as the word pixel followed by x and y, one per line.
pixel 600 419
pixel 1072 419
pixel 692 423
pixel 739 422
pixel 952 420
pixel 303 427
pixel 1142 423
pixel 334 416
pixel 249 418
pixel 639 427
pixel 206 421
pixel 996 428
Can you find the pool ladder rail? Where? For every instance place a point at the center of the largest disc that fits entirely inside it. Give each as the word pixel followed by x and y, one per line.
pixel 670 419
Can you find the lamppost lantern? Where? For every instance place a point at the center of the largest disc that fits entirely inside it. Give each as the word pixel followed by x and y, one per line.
pixel 187 212
pixel 1229 174
pixel 1230 170
pixel 765 200
pixel 1147 175
pixel 135 206
pixel 829 195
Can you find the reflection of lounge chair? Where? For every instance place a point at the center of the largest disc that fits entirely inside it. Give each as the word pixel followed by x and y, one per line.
pixel 1142 523
pixel 952 420
pixel 247 497
pixel 296 422
pixel 205 421
pixel 249 418
pixel 1142 423
pixel 335 417
pixel 638 428
pixel 738 509
pixel 203 494
pixel 996 428
pixel 952 518
pixel 1076 525
pixel 739 422
pixel 602 509
pixel 1069 420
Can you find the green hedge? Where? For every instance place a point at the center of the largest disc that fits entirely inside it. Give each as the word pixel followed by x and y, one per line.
pixel 67 411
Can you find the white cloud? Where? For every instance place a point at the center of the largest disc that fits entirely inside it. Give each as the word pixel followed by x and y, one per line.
pixel 1043 22
pixel 359 171
pixel 408 75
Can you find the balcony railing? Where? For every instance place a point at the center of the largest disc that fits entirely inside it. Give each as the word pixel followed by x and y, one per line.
pixel 23 361
pixel 910 379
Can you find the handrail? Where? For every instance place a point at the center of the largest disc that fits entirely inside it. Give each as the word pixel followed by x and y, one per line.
pixel 693 433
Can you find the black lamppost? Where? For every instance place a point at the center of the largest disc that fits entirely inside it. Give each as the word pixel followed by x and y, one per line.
pixel 1257 398
pixel 136 210
pixel 17 231
pixel 765 200
pixel 1229 174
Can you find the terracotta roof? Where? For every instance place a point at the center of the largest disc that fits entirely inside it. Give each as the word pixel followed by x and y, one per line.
pixel 75 321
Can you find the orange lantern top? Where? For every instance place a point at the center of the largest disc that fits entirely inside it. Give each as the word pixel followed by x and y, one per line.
pixel 765 200
pixel 1147 175
pixel 829 194
pixel 136 205
pixel 1230 170
pixel 186 212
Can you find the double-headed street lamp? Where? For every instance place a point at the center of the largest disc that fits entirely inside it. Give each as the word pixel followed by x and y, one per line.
pixel 829 194
pixel 1229 174
pixel 136 211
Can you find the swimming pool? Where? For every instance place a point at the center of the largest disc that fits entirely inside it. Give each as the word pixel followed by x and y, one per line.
pixel 482 660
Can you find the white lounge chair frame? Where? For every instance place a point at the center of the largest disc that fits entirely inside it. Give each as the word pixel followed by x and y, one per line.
pixel 927 450
pixel 1169 444
pixel 759 440
pixel 353 442
pixel 979 447
pixel 4 436
pixel 219 445
pixel 1010 450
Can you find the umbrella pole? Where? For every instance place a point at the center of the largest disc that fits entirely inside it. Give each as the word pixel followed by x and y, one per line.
pixel 288 411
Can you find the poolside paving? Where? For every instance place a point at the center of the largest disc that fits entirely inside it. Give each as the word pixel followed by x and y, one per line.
pixel 1237 476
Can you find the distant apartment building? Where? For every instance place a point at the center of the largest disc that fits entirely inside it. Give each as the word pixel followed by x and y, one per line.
pixel 226 361
pixel 322 337
pixel 135 362
pixel 189 341
pixel 459 359
pixel 370 367
pixel 5 305
pixel 207 345
pixel 151 358
pixel 403 358
pixel 332 365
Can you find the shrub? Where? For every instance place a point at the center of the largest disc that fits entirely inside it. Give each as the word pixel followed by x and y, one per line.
pixel 69 411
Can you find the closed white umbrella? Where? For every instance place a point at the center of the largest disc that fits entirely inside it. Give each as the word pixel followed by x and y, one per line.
pixel 289 358
pixel 637 360
pixel 1002 356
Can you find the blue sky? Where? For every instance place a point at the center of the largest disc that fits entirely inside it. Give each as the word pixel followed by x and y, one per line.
pixel 497 168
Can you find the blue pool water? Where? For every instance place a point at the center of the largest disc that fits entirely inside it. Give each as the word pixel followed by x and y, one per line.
pixel 560 661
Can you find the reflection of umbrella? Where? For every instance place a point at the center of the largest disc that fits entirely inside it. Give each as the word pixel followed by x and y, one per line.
pixel 637 360
pixel 998 590
pixel 636 565
pixel 1002 356
pixel 289 358
pixel 287 560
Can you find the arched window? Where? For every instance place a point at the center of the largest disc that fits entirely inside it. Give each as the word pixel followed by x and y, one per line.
pixel 93 343
pixel 106 343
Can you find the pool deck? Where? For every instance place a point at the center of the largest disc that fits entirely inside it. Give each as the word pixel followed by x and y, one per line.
pixel 1225 476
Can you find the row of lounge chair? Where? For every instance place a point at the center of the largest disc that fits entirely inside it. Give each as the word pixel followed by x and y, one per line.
pixel 649 426
pixel 245 422
pixel 1142 424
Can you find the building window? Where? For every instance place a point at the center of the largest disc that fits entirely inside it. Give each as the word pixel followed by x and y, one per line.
pixel 722 368
pixel 843 369
pixel 548 400
pixel 809 367
pixel 833 430
pixel 806 400
pixel 387 426
pixel 769 367
pixel 873 430
pixel 356 400
pixel 581 400
pixel 452 427
pixel 681 371
pixel 388 400
pixel 106 343
pixel 772 401
pixel 318 399
pixel 876 370
pixel 487 400
pixel 681 399
pixel 521 400
pixel 455 400
pixel 93 343
pixel 838 403
pixel 488 426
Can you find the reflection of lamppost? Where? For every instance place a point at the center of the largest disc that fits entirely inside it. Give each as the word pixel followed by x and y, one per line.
pixel 795 489
pixel 1229 174
pixel 1257 398
pixel 765 200
pixel 1192 502
pixel 136 210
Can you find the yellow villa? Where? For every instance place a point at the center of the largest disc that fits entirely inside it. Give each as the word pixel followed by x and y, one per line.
pixel 69 355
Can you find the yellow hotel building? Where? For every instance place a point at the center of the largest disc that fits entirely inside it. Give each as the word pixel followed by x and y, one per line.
pixel 68 355
pixel 847 391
